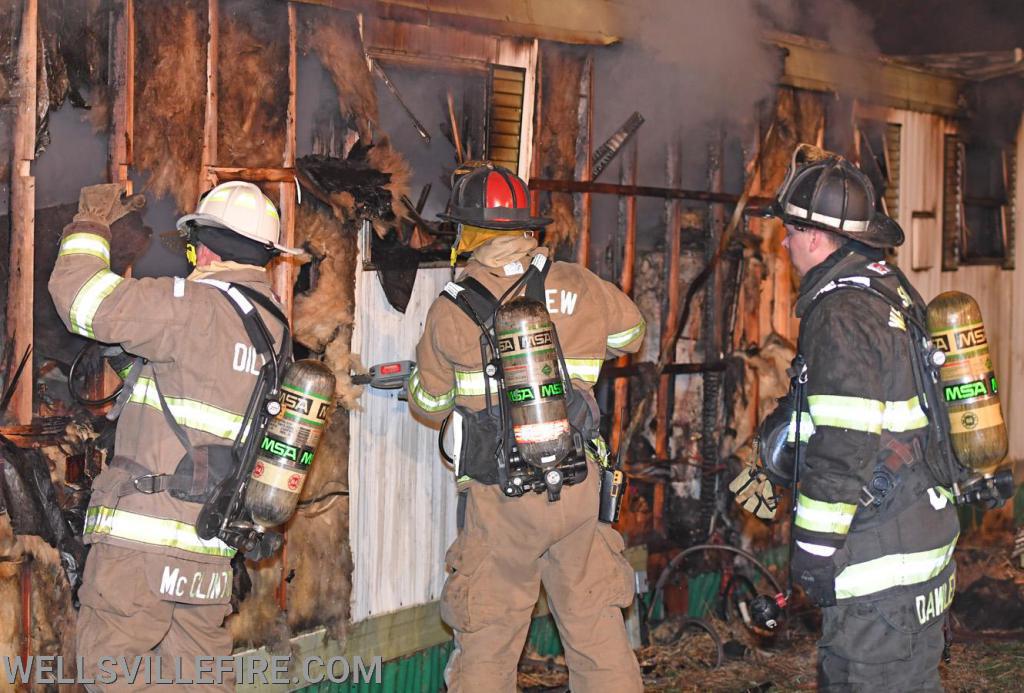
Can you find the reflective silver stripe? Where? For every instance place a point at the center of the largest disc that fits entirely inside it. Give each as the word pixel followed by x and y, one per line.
pixel 190 413
pixel 86 244
pixel 471 383
pixel 816 549
pixel 426 401
pixel 88 300
pixel 621 339
pixel 233 293
pixel 894 570
pixel 157 531
pixel 587 370
pixel 819 516
pixel 853 226
pixel 806 428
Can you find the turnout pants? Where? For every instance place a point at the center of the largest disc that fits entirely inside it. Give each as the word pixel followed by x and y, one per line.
pixel 874 646
pixel 506 549
pixel 121 616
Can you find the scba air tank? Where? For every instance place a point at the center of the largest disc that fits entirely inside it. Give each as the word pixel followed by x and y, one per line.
pixel 533 382
pixel 969 384
pixel 289 444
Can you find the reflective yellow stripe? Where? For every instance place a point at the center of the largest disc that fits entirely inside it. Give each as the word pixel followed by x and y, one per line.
pixel 819 516
pixel 151 530
pixel 896 319
pixel 894 570
pixel 471 383
pixel 587 370
pixel 424 400
pixel 86 244
pixel 868 415
pixel 856 413
pixel 621 339
pixel 88 300
pixel 190 413
pixel 806 428
pixel 899 417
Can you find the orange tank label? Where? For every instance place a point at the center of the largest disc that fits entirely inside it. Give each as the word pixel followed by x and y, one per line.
pixel 281 478
pixel 974 420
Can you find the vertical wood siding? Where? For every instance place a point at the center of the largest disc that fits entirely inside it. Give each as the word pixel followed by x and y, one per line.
pixel 402 496
pixel 999 292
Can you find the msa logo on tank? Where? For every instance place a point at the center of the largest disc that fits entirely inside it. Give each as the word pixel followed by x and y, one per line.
pixel 214 584
pixel 289 444
pixel 530 394
pixel 935 601
pixel 510 345
pixel 953 341
pixel 971 391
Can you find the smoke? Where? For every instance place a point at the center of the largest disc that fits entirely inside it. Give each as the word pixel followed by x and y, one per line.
pixel 699 70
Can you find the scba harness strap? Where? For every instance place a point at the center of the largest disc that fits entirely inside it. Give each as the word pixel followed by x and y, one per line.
pixel 482 437
pixel 896 480
pixel 201 469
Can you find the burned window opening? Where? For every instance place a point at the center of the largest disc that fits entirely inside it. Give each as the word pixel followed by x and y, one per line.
pixel 985 232
pixel 879 154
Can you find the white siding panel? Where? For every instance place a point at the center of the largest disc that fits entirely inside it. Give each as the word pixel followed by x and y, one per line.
pixel 402 497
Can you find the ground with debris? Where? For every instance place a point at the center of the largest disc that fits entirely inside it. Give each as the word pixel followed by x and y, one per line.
pixel 987 653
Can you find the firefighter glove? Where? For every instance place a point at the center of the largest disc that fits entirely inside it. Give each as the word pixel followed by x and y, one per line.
pixel 754 492
pixel 816 574
pixel 105 203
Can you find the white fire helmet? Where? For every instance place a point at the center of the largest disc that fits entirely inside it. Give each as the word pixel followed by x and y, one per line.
pixel 243 208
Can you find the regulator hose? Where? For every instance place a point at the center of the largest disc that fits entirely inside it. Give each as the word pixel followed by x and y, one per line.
pixel 678 560
pixel 78 397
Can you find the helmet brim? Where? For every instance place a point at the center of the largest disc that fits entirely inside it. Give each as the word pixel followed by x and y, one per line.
pixel 209 220
pixel 495 225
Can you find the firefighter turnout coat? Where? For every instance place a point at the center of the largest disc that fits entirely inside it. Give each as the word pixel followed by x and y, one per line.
pixel 864 490
pixel 197 350
pixel 594 320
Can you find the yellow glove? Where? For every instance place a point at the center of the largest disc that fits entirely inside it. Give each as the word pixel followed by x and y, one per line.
pixel 754 492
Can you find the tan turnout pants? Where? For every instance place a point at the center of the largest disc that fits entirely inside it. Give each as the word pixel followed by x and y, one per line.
pixel 120 616
pixel 505 550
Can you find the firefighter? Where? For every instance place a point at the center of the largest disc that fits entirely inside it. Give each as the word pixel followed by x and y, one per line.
pixel 508 546
pixel 874 528
pixel 151 585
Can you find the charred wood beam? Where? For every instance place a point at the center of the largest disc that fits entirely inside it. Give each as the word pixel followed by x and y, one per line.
pixel 23 205
pixel 642 367
pixel 628 214
pixel 209 157
pixel 377 68
pixel 614 144
pixel 581 186
pixel 583 148
pixel 673 244
pixel 122 82
pixel 285 268
pixel 429 14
